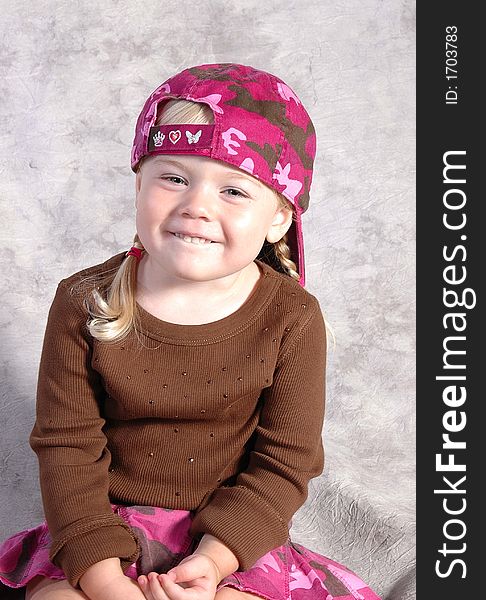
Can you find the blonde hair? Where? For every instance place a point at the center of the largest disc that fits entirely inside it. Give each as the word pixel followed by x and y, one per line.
pixel 113 318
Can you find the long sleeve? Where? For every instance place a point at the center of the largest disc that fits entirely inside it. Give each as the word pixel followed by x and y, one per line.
pixel 71 447
pixel 252 516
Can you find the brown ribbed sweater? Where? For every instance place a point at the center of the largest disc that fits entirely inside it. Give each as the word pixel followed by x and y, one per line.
pixel 223 418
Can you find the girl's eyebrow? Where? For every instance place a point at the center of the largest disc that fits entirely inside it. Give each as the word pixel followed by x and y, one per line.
pixel 169 161
pixel 234 174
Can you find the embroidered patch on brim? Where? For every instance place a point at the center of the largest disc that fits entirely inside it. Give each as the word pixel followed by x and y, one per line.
pixel 177 138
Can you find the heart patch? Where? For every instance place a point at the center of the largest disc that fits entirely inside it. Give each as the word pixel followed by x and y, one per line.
pixel 175 136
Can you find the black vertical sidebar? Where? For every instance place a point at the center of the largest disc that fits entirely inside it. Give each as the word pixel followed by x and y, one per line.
pixel 451 336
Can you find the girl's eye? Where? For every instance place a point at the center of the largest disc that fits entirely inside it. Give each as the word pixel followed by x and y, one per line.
pixel 176 179
pixel 238 193
pixel 170 177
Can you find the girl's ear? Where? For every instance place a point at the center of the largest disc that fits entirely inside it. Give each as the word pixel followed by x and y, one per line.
pixel 281 223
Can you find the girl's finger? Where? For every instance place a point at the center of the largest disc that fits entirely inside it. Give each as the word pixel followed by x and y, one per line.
pixel 174 590
pixel 144 586
pixel 156 590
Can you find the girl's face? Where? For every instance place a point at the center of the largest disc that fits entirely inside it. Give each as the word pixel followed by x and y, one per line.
pixel 200 197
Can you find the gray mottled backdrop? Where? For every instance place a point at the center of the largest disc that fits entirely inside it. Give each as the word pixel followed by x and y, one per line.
pixel 73 77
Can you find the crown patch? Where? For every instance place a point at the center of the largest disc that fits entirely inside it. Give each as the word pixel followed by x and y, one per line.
pixel 158 139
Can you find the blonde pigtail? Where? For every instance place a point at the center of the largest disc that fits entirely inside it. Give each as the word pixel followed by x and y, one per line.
pixel 112 319
pixel 282 253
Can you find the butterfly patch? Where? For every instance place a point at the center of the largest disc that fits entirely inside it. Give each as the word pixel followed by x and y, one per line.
pixel 193 138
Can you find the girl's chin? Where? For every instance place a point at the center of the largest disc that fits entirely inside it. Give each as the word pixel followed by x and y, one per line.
pixel 190 261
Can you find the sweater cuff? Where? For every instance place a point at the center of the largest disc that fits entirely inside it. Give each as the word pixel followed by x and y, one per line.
pixel 245 523
pixel 81 552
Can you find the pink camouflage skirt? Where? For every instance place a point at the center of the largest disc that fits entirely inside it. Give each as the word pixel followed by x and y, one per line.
pixel 289 572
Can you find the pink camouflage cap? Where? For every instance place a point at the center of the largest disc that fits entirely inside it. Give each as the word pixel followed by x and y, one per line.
pixel 260 126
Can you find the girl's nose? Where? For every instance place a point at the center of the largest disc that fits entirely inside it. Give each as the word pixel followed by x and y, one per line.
pixel 198 201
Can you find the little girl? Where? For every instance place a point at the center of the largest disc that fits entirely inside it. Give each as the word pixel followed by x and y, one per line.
pixel 180 397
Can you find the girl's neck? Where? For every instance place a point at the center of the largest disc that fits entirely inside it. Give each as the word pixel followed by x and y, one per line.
pixel 194 303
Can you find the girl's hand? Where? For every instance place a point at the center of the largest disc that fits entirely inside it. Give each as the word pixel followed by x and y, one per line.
pixel 194 578
pixel 105 581
pixel 119 588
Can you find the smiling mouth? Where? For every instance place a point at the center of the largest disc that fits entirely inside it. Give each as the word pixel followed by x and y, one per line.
pixel 196 241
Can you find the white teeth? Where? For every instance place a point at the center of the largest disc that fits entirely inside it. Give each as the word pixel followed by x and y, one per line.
pixel 193 240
